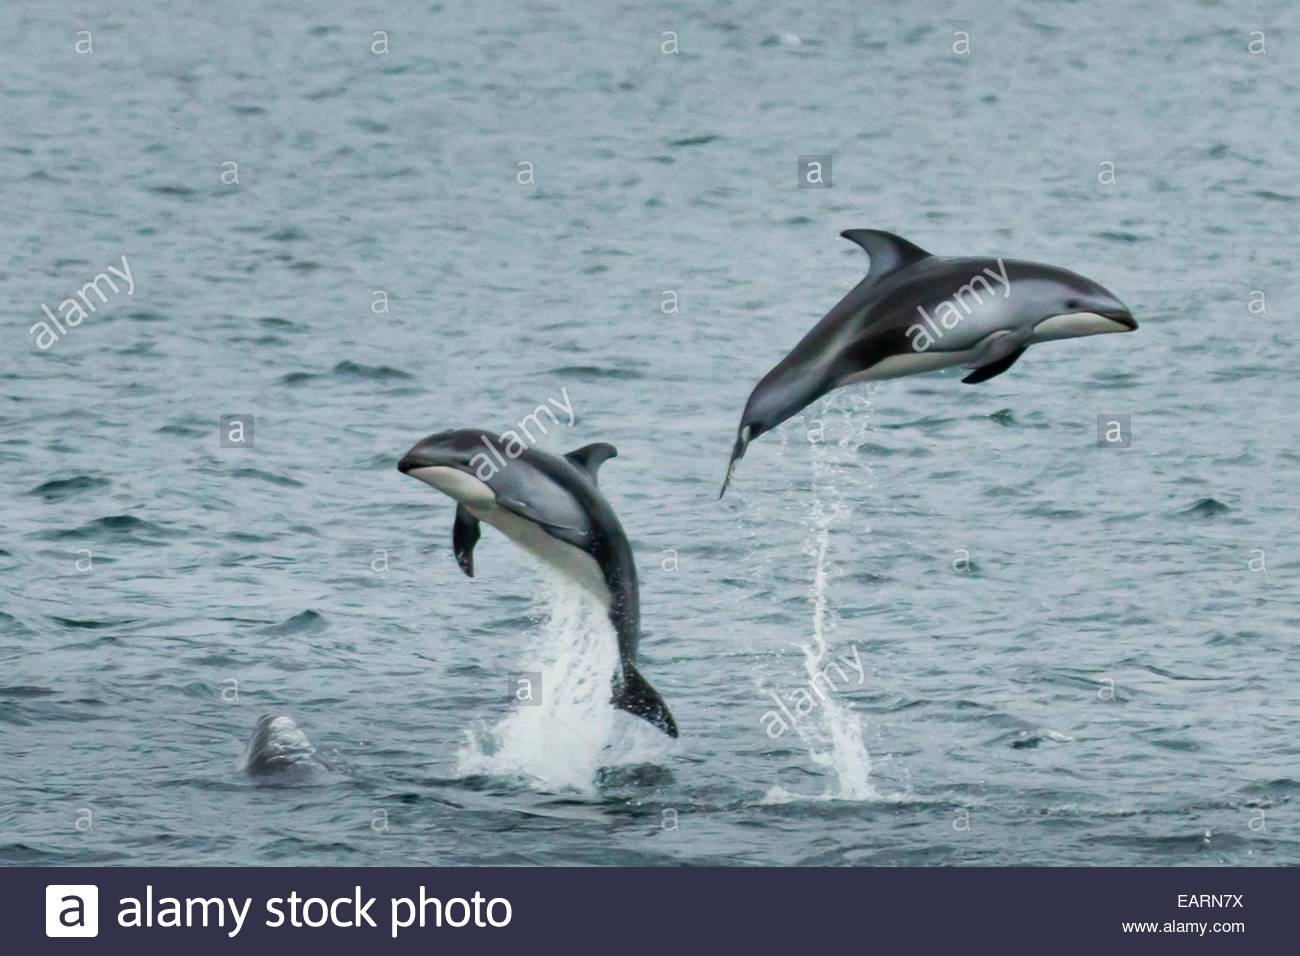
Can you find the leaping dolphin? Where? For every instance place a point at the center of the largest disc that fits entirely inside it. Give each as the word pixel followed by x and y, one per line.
pixel 550 506
pixel 916 312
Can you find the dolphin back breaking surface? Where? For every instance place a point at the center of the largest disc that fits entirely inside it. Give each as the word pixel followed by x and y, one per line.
pixel 277 745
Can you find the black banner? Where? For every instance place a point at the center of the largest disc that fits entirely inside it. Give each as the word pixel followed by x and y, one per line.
pixel 622 910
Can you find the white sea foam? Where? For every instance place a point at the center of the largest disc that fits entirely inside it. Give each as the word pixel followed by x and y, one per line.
pixel 573 731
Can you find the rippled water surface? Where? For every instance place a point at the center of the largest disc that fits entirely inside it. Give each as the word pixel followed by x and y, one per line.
pixel 1070 654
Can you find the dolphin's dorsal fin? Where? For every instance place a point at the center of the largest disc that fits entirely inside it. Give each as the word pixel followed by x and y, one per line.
pixel 888 252
pixel 590 457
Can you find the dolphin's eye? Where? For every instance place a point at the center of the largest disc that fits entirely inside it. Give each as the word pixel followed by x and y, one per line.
pixel 1072 304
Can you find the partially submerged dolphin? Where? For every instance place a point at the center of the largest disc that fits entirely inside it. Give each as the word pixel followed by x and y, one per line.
pixel 916 312
pixel 277 744
pixel 550 506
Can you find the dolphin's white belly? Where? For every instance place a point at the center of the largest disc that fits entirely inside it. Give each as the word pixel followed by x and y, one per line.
pixel 910 363
pixel 990 348
pixel 573 563
pixel 455 484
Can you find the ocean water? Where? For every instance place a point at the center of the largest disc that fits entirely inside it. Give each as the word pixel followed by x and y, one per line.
pixel 1069 653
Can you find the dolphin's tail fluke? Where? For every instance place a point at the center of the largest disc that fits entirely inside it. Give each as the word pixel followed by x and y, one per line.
pixel 737 453
pixel 633 693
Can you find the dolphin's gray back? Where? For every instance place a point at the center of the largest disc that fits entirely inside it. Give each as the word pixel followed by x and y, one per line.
pixel 277 745
pixel 549 497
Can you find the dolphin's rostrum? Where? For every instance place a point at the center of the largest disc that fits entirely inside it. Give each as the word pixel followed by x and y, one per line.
pixel 550 506
pixel 916 312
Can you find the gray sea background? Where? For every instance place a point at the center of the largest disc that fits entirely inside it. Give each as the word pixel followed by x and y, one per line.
pixel 1072 653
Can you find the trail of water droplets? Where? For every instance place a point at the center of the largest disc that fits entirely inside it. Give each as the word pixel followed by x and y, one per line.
pixel 832 732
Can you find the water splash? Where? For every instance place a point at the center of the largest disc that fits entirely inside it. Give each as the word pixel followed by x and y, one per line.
pixel 833 732
pixel 572 732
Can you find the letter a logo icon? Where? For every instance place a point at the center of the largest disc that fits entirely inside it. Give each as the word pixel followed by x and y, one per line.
pixel 71 910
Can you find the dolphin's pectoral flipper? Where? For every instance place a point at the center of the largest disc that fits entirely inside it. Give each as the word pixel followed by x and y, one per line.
pixel 568 527
pixel 590 457
pixel 464 535
pixel 633 693
pixel 986 372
